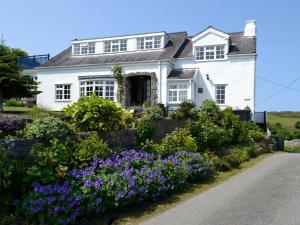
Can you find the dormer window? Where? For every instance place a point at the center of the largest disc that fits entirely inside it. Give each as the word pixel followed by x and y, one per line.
pixel 115 46
pixel 210 52
pixel 152 42
pixel 84 48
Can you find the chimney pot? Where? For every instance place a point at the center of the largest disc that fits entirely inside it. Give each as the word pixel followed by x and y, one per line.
pixel 250 28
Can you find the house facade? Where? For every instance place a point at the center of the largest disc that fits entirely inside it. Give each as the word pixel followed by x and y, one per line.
pixel 158 67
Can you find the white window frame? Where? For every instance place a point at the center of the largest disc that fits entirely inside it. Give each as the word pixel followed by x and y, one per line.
pixel 65 92
pixel 104 86
pixel 220 98
pixel 84 48
pixel 149 42
pixel 209 52
pixel 115 46
pixel 177 90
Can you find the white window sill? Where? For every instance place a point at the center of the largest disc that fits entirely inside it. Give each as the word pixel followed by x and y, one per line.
pixel 63 100
pixel 210 60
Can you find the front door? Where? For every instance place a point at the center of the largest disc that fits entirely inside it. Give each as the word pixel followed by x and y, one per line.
pixel 140 90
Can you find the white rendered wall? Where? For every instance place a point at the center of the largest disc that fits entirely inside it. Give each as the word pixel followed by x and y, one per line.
pixel 50 77
pixel 237 73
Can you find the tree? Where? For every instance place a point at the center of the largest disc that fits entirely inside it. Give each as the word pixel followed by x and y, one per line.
pixel 12 83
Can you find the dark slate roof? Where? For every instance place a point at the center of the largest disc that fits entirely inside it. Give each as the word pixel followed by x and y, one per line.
pixel 241 45
pixel 182 74
pixel 238 45
pixel 66 59
pixel 180 46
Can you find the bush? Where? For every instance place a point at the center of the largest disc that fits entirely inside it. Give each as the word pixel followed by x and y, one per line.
pixel 153 112
pixel 209 110
pixel 47 129
pixel 40 113
pixel 233 159
pixel 208 135
pixel 297 124
pixel 185 111
pixel 6 170
pixel 145 129
pixel 93 113
pixel 14 102
pixel 178 140
pixel 90 148
pixel 50 164
pixel 122 180
pixel 278 130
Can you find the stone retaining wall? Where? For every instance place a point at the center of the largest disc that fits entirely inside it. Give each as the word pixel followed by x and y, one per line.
pixel 125 138
pixel 292 143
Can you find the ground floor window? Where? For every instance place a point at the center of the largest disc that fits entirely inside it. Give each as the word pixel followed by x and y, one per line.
pixel 178 93
pixel 220 93
pixel 102 88
pixel 63 91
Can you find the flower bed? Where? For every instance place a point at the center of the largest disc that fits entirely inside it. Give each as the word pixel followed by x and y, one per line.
pixel 123 179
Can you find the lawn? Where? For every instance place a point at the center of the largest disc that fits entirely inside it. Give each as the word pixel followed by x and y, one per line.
pixel 16 110
pixel 286 119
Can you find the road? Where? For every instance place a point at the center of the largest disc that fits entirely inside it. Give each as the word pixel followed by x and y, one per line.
pixel 266 194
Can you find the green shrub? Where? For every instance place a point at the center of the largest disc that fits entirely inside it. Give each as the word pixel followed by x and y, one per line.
pixel 297 124
pixel 209 110
pixel 6 170
pixel 91 147
pixel 208 135
pixel 94 113
pixel 233 159
pixel 50 164
pixel 179 139
pixel 48 128
pixel 145 129
pixel 153 112
pixel 185 111
pixel 14 102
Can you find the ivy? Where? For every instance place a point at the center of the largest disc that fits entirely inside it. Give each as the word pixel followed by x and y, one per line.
pixel 117 71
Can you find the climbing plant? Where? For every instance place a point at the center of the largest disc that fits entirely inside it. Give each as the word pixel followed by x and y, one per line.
pixel 117 71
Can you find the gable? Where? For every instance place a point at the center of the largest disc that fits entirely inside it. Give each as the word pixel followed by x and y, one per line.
pixel 210 36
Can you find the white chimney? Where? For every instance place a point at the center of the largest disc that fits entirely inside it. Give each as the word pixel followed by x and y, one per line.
pixel 250 28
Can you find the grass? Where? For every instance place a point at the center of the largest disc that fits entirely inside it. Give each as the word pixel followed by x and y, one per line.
pixel 292 148
pixel 16 110
pixel 135 215
pixel 286 119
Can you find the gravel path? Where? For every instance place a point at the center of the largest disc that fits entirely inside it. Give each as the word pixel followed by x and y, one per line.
pixel 266 194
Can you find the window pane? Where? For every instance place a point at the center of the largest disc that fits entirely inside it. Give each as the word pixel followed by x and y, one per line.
pixel 157 42
pixel 84 49
pixel 220 51
pixel 140 43
pixel 220 94
pixel 107 46
pixel 76 49
pixel 91 48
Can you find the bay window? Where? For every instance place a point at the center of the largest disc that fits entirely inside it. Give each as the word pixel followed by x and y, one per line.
pixel 178 93
pixel 102 88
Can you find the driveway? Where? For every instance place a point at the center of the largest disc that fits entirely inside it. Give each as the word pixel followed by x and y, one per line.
pixel 266 194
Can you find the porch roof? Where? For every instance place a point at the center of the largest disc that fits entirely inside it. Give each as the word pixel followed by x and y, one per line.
pixel 182 74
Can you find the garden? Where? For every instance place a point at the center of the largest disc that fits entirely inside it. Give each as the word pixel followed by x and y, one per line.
pixel 72 174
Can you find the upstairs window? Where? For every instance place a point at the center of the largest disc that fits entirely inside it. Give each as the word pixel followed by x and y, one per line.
pixel 149 43
pixel 84 48
pixel 115 46
pixel 210 52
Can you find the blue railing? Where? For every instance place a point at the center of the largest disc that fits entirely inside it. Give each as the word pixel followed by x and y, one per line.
pixel 30 62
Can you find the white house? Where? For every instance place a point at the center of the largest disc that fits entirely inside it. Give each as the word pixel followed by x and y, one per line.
pixel 160 67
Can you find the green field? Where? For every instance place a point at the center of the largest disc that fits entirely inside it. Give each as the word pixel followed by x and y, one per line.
pixel 286 119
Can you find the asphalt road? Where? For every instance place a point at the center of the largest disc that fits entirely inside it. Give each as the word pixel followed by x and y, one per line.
pixel 266 194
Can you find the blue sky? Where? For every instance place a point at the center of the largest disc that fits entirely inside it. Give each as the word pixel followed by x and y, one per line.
pixel 47 26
